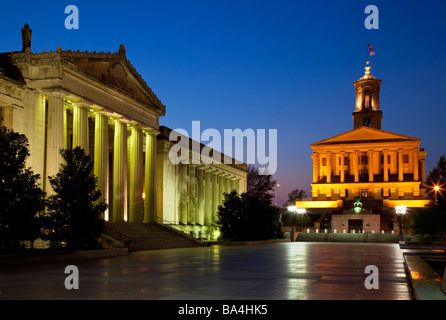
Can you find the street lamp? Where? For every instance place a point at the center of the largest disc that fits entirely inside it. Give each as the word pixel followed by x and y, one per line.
pixel 436 188
pixel 275 200
pixel 292 209
pixel 401 211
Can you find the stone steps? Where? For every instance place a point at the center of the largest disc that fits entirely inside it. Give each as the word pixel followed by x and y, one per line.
pixel 348 237
pixel 150 236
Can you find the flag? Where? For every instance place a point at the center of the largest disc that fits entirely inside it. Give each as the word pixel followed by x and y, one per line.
pixel 372 50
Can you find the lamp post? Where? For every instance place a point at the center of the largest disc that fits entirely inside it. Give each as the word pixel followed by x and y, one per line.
pixel 301 212
pixel 275 195
pixel 436 188
pixel 292 209
pixel 401 211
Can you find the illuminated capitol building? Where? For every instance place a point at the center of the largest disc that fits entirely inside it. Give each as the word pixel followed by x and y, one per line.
pixel 381 169
pixel 99 102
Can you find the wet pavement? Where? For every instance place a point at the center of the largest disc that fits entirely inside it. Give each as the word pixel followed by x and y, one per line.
pixel 281 271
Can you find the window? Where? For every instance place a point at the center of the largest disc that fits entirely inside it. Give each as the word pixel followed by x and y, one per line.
pixel 345 161
pixel 367 99
pixel 405 158
pixel 364 160
pixel 324 162
pixel 364 193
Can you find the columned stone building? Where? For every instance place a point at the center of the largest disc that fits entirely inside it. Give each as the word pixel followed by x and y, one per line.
pixel 380 168
pixel 99 102
pixel 189 193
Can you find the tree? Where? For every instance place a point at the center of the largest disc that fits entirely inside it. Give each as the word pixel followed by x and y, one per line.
pixel 260 186
pixel 242 218
pixel 75 210
pixel 430 222
pixel 21 199
pixel 293 196
pixel 437 177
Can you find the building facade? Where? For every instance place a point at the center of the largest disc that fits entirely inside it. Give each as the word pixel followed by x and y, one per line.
pixel 99 102
pixel 381 168
pixel 190 192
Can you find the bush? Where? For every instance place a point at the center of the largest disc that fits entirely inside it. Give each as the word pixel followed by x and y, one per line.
pixel 245 218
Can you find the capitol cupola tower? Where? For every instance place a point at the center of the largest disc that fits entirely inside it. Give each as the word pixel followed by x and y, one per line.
pixel 367 112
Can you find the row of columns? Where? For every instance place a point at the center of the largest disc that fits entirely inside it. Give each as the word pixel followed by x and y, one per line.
pixel 201 195
pixel 130 176
pixel 417 164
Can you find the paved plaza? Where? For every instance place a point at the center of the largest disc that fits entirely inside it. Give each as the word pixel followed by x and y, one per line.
pixel 281 271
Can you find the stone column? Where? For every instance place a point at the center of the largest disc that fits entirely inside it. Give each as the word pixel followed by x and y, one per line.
pixel 423 172
pixel 37 143
pixel 101 157
pixel 207 195
pixel 329 166
pixel 80 126
pixel 370 165
pixel 400 165
pixel 221 188
pixel 150 176
pixel 386 165
pixel 214 194
pixel 120 172
pixel 136 175
pixel 315 158
pixel 201 197
pixel 356 165
pixel 342 155
pixel 54 138
pixel 416 174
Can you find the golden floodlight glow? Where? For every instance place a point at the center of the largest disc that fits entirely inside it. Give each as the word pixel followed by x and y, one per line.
pixel 436 188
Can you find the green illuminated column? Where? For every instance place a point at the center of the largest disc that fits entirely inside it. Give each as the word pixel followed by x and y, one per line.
pixel 207 195
pixel 54 137
pixel 80 126
pixel 136 176
pixel 150 176
pixel 221 188
pixel 120 172
pixel 214 194
pixel 201 198
pixel 101 157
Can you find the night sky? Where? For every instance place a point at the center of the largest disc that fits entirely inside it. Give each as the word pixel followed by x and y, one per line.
pixel 285 65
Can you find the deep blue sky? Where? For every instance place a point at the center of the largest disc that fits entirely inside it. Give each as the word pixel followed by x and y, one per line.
pixel 286 65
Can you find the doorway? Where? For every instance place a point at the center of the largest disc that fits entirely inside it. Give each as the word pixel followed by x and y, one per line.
pixel 355 224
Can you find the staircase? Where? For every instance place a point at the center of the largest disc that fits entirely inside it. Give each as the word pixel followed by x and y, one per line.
pixel 149 236
pixel 348 237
